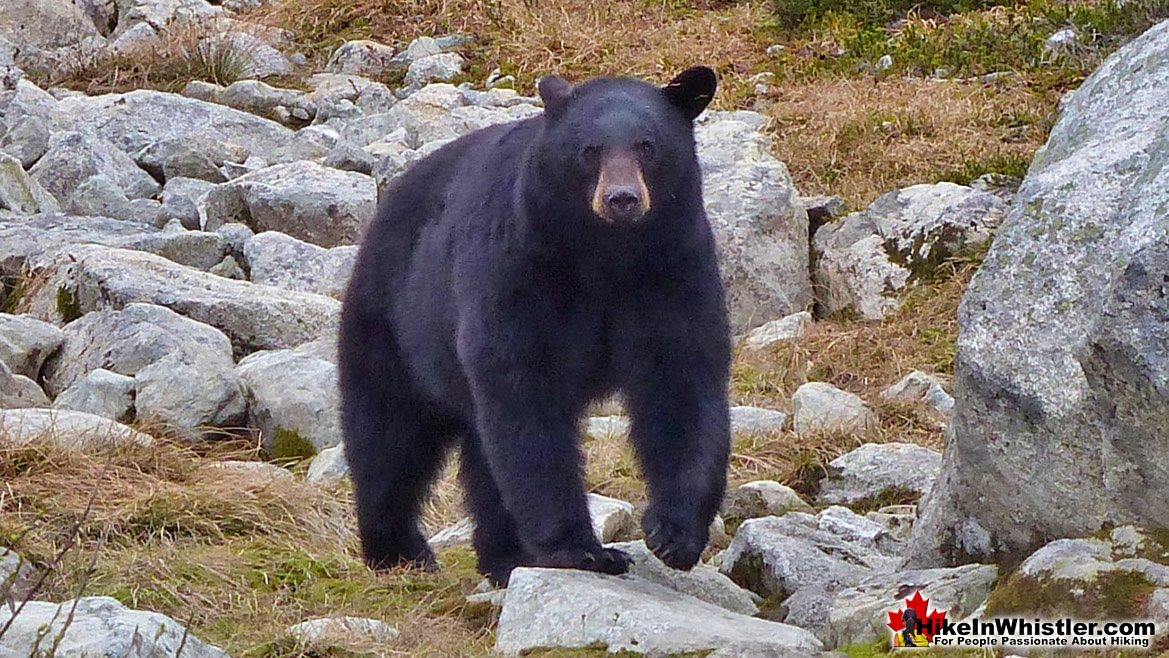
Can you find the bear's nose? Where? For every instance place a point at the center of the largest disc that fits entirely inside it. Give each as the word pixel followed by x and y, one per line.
pixel 623 202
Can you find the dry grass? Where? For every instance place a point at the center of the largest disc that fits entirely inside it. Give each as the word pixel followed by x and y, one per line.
pixel 652 39
pixel 859 138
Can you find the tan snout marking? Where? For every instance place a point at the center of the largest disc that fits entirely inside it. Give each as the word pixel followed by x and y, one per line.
pixel 620 169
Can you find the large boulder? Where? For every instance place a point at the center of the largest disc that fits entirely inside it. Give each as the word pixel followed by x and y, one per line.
pixel 18 391
pixel 141 119
pixel 26 342
pixel 759 223
pixel 44 23
pixel 24 237
pixel 85 278
pixel 73 157
pixel 184 375
pixel 292 397
pixel 282 261
pixel 97 626
pixel 863 260
pixel 1063 345
pixel 551 608
pixel 325 206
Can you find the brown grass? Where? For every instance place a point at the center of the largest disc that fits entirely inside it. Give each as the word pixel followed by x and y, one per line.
pixel 859 138
pixel 528 39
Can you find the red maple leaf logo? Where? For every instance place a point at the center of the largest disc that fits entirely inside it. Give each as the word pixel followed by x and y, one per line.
pixel 928 623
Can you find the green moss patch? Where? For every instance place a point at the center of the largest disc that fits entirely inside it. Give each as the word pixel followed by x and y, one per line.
pixel 1112 595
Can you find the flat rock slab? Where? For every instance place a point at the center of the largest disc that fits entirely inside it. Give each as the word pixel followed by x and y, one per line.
pixel 548 608
pixel 878 468
pixel 87 278
pixel 67 429
pixel 702 582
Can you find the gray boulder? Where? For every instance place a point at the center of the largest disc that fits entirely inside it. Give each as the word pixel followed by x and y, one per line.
pixel 26 139
pixel 181 199
pixel 39 24
pixel 25 343
pixel 73 157
pixel 328 467
pixel 86 278
pixel 19 192
pixel 821 407
pixel 878 469
pixel 18 391
pixel 363 57
pixel 703 582
pixel 17 576
pixel 325 633
pixel 860 614
pixel 72 430
pixel 100 196
pixel 101 393
pixel 310 202
pixel 291 393
pixel 759 224
pixel 778 331
pixel 865 258
pixel 140 119
pixel 284 262
pixel 612 518
pixel 757 420
pixel 1062 346
pixel 550 608
pixel 920 387
pixel 184 376
pixel 98 626
pixel 763 498
pixel 433 68
pixel 776 556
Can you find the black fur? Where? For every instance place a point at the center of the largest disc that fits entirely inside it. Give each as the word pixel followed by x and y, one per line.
pixel 489 305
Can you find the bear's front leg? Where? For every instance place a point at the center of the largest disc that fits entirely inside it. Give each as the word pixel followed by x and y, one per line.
pixel 676 393
pixel 526 421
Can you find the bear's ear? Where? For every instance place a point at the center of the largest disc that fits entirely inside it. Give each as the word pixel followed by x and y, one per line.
pixel 555 92
pixel 692 90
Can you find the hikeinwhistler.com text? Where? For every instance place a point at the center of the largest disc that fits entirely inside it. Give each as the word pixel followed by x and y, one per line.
pixel 1019 632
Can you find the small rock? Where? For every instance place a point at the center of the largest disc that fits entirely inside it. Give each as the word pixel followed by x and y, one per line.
pixel 607 427
pixel 778 331
pixel 17 577
pixel 754 420
pixel 27 139
pixel 363 57
pixel 820 407
pixel 181 199
pixel 763 498
pixel 612 519
pixel 459 534
pixel 1062 41
pixel 328 467
pixel 25 343
pixel 920 387
pixel 101 393
pixel 327 632
pixel 549 608
pixel 19 392
pixel 99 196
pixel 229 268
pixel 21 193
pixel 885 62
pixel 261 471
pixel 73 157
pixel 875 470
pixel 434 68
pixel 897 519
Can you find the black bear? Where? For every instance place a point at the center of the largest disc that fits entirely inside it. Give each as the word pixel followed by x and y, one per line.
pixel 512 277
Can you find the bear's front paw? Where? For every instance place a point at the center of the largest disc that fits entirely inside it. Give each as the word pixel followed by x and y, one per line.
pixel 603 560
pixel 677 544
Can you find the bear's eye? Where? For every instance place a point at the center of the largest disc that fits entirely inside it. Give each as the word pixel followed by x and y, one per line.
pixel 591 153
pixel 645 148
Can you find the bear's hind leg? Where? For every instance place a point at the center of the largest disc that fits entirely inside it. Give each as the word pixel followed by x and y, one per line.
pixel 496 539
pixel 394 443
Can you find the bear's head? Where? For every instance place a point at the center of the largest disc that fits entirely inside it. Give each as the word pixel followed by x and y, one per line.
pixel 618 146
